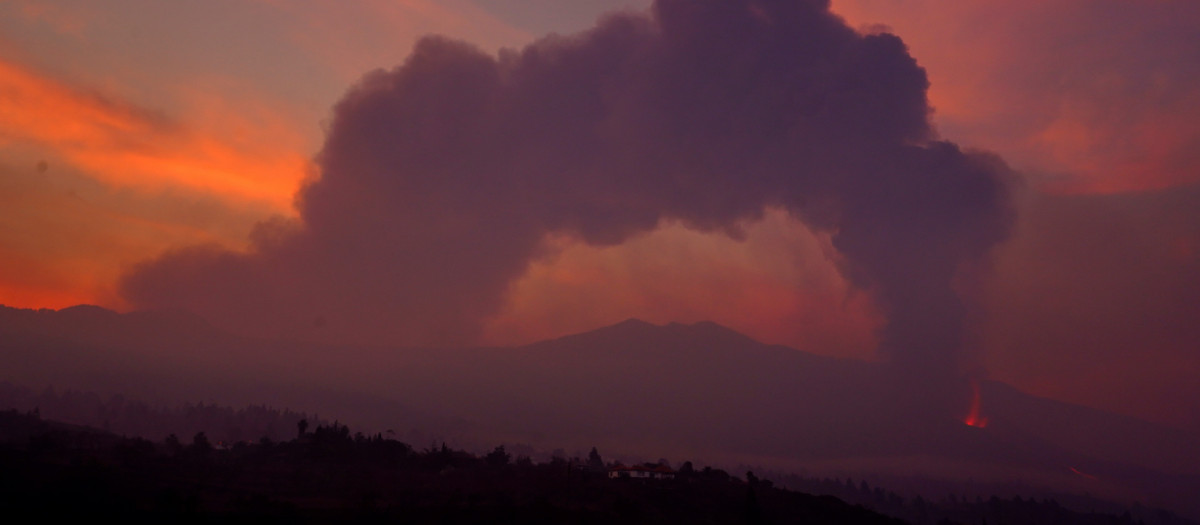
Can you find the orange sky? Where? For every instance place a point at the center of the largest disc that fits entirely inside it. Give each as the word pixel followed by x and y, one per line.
pixel 1084 96
pixel 120 141
pixel 249 153
pixel 779 282
pixel 136 150
pixel 93 178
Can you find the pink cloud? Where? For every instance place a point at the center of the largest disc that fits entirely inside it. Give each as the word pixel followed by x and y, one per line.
pixel 1087 96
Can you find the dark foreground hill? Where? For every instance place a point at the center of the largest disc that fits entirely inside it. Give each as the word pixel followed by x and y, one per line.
pixel 53 470
pixel 328 476
pixel 672 391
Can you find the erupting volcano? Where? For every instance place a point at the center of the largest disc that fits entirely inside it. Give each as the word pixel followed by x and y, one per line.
pixel 975 417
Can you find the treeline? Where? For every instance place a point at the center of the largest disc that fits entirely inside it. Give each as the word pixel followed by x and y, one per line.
pixel 330 474
pixel 325 472
pixel 992 510
pixel 118 415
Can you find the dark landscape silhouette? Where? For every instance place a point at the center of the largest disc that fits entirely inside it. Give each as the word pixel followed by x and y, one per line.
pixel 412 314
pixel 329 474
pixel 635 389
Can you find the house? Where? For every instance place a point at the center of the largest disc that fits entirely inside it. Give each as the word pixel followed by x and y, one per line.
pixel 643 471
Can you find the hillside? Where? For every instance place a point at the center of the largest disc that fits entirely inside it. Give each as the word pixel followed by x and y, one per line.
pixel 698 390
pixel 327 474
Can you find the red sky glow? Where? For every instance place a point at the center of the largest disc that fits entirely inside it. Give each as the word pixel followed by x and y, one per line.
pixel 140 128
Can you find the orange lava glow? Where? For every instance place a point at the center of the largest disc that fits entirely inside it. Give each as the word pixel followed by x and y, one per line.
pixel 1075 470
pixel 975 417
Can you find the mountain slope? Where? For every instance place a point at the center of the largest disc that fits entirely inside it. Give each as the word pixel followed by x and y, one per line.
pixel 698 390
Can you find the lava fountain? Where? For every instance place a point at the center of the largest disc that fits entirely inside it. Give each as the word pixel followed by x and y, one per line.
pixel 975 417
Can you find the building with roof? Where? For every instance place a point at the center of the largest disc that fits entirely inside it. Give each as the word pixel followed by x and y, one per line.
pixel 643 471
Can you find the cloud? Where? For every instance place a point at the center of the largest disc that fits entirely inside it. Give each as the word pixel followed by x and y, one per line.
pixel 65 238
pixel 440 180
pixel 93 182
pixel 1096 101
pixel 778 282
pixel 1102 290
pixel 347 39
pixel 125 145
pixel 1090 96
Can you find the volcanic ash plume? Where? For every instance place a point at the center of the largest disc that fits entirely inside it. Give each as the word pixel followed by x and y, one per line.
pixel 440 178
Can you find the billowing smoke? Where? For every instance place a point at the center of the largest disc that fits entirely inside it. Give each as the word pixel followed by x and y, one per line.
pixel 440 178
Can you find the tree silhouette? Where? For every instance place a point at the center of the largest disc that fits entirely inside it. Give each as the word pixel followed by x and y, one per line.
pixel 301 426
pixel 498 457
pixel 753 514
pixel 687 469
pixel 200 444
pixel 174 446
pixel 594 460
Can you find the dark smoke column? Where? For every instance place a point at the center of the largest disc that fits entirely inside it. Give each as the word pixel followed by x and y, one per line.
pixel 440 178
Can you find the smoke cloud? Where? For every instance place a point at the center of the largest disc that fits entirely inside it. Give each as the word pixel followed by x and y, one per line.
pixel 440 179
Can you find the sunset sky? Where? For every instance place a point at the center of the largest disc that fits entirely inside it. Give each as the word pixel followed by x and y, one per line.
pixel 130 129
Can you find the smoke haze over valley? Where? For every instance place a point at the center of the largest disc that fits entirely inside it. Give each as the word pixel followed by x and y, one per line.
pixel 637 389
pixel 952 241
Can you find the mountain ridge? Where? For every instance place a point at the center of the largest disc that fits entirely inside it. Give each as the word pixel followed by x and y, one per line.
pixel 700 389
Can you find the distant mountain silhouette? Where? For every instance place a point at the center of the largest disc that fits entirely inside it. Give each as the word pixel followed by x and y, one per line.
pixel 698 390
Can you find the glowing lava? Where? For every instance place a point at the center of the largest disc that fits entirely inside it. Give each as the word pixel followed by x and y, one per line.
pixel 975 417
pixel 1075 470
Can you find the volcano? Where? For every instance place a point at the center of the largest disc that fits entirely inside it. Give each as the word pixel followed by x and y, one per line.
pixel 696 391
